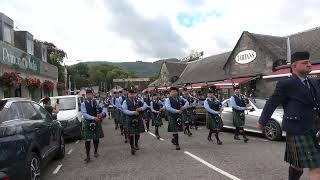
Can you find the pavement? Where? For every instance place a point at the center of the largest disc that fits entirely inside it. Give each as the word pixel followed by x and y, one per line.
pixel 259 159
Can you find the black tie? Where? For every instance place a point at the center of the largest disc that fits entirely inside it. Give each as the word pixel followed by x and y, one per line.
pixel 306 83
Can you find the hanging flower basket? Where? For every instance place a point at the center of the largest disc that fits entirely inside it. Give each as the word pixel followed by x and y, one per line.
pixel 60 87
pixel 10 81
pixel 48 85
pixel 32 84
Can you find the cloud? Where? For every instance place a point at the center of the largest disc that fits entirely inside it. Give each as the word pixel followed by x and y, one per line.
pixel 151 37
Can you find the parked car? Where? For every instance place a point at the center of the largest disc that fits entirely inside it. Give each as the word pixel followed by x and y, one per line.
pixel 69 115
pixel 29 138
pixel 273 129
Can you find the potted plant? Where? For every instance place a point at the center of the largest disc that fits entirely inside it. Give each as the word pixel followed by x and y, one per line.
pixel 32 84
pixel 11 81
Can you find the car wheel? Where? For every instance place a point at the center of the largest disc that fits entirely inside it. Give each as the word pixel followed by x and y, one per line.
pixel 62 148
pixel 273 130
pixel 34 168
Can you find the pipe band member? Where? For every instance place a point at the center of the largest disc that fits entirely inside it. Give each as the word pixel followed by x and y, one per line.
pixel 93 114
pixel 115 111
pixel 147 113
pixel 157 109
pixel 300 96
pixel 173 105
pixel 239 105
pixel 187 114
pixel 133 108
pixel 214 122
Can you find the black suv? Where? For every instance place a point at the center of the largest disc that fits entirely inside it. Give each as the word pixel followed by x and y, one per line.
pixel 29 138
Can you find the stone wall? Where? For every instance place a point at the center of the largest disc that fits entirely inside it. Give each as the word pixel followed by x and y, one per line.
pixel 261 65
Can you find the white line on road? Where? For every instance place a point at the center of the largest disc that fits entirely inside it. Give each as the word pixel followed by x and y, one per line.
pixel 77 142
pixel 155 136
pixel 57 169
pixel 70 151
pixel 212 166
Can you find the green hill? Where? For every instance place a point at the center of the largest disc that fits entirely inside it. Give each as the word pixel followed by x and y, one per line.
pixel 142 69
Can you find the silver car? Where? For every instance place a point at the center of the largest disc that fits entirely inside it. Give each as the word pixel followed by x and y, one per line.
pixel 273 130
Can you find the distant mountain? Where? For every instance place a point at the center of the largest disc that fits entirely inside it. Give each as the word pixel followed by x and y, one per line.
pixel 142 69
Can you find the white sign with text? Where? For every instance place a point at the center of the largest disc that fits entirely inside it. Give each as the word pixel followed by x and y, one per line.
pixel 246 56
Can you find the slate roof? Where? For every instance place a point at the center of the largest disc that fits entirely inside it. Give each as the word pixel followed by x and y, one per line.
pixel 208 69
pixel 175 68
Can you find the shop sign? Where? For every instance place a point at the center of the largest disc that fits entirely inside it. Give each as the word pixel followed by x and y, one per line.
pixel 246 56
pixel 15 57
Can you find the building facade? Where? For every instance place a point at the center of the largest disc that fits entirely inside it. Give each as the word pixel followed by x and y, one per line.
pixel 17 56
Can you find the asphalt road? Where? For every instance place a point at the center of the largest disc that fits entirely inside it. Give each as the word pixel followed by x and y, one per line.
pixel 259 159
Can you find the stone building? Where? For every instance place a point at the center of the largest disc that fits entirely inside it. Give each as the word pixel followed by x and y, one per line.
pixel 169 73
pixel 16 55
pixel 256 63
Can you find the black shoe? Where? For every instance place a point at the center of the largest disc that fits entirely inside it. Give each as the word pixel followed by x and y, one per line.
pixel 87 160
pixel 189 134
pixel 219 142
pixel 173 142
pixel 126 141
pixel 209 138
pixel 196 127
pixel 236 138
pixel 158 137
pixel 178 147
pixel 133 151
pixel 147 130
pixel 245 140
pixel 96 155
pixel 137 147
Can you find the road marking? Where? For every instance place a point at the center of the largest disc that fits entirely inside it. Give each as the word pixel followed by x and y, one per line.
pixel 155 136
pixel 77 142
pixel 152 134
pixel 57 169
pixel 70 151
pixel 211 166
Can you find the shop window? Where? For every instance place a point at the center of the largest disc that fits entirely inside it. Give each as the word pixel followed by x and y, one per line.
pixel 7 34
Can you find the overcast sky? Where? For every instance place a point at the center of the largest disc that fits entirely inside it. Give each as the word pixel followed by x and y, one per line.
pixel 130 30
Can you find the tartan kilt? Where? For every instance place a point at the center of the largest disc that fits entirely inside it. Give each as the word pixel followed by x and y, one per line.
pixel 122 117
pixel 186 117
pixel 116 115
pixel 87 134
pixel 156 121
pixel 302 151
pixel 147 115
pixel 132 129
pixel 172 125
pixel 237 121
pixel 214 122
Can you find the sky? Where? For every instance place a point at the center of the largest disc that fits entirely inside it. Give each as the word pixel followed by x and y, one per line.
pixel 148 30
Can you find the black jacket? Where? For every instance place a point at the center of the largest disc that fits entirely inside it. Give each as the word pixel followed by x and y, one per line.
pixel 299 107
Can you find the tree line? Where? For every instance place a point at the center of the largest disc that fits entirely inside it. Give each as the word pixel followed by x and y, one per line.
pixel 82 75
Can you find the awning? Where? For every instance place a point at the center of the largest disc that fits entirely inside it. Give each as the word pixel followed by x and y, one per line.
pixel 228 83
pixel 198 85
pixel 149 89
pixel 163 88
pixel 315 72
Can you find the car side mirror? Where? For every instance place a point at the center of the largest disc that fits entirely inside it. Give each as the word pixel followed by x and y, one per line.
pixel 54 116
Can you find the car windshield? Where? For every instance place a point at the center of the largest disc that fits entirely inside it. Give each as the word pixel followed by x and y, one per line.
pixel 259 103
pixel 66 103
